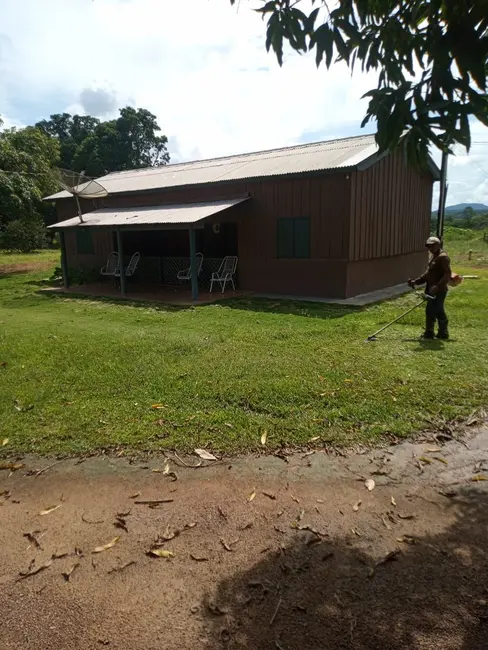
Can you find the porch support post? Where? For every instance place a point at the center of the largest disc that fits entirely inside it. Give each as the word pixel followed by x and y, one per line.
pixel 64 261
pixel 193 265
pixel 120 250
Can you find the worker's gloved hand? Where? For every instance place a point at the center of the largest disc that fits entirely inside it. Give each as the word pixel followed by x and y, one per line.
pixel 411 282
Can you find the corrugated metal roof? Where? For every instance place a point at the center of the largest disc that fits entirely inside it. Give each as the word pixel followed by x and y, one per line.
pixel 333 154
pixel 184 214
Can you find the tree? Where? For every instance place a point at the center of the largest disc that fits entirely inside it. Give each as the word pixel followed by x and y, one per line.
pixel 129 142
pixel 431 58
pixel 24 235
pixel 70 131
pixel 26 158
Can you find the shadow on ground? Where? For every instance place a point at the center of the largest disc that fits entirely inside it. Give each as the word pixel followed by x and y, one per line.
pixel 348 593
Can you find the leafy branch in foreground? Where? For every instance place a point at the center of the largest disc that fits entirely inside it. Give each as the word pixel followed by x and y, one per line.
pixel 430 56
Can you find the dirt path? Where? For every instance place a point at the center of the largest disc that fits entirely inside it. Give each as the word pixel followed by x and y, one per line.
pixel 403 566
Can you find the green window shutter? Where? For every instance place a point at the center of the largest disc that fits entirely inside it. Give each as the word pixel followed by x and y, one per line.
pixel 301 238
pixel 285 237
pixel 84 241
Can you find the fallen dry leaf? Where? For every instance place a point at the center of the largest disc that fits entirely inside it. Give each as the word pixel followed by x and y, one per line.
pixel 153 502
pixel 369 484
pixel 166 467
pixel 228 545
pixel 32 571
pixel 158 406
pixel 355 531
pixel 198 558
pixel 4 442
pixel 161 552
pixel 314 439
pixel 252 496
pixel 407 516
pixel 406 539
pixel 206 455
pixel 13 467
pixel 433 450
pixel 106 547
pixel 67 574
pixel 295 499
pixel 134 496
pixel 428 461
pixel 49 509
pixel 90 521
pixel 270 495
pixel 480 477
pixel 264 437
pixel 120 522
pixel 385 523
pixel 441 460
pixel 122 567
pixel 356 506
pixel 33 538
pixel 393 502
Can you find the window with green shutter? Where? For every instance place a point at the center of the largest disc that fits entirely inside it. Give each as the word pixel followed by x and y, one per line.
pixel 84 241
pixel 294 238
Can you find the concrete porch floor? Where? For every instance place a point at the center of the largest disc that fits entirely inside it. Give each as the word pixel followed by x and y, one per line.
pixel 166 294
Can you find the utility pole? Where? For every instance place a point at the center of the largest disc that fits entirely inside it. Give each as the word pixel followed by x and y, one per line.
pixel 442 196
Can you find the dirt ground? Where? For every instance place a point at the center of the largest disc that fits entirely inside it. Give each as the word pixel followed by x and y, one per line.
pixel 292 554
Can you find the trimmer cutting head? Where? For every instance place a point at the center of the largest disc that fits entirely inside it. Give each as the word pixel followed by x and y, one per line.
pixel 371 338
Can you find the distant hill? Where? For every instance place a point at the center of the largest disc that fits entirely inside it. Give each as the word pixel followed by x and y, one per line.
pixel 459 207
pixel 457 210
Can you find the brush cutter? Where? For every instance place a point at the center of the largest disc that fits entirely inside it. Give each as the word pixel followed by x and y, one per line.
pixel 453 282
pixel 425 297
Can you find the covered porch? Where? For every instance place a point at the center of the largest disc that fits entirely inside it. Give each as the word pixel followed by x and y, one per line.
pixel 168 238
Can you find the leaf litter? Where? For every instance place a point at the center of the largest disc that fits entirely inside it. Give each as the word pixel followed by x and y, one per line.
pixel 160 552
pixel 67 574
pixel 205 455
pixel 115 569
pixel 106 547
pixel 32 570
pixel 369 484
pixel 49 509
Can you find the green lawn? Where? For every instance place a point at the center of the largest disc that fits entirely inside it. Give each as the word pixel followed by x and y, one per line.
pixel 223 374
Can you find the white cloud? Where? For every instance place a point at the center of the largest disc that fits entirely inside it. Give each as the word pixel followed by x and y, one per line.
pixel 200 66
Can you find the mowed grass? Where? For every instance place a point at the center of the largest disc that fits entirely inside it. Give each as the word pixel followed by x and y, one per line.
pixel 88 374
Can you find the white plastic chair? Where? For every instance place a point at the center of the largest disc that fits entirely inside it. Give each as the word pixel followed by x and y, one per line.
pixel 131 267
pixel 112 265
pixel 185 274
pixel 225 273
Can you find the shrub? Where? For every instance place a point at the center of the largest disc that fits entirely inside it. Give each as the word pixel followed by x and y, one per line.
pixel 24 235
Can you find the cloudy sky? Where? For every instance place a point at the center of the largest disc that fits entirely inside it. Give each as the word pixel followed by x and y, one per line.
pixel 199 65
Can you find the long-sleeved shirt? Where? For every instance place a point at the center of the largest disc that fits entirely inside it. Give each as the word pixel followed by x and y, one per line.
pixel 438 272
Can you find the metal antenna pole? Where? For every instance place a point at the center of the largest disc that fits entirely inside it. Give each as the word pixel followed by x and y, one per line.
pixel 442 196
pixel 80 214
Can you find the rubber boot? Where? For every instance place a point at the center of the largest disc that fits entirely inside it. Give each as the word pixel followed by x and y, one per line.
pixel 429 328
pixel 443 332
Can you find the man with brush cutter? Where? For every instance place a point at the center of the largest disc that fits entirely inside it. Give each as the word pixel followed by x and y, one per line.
pixel 436 278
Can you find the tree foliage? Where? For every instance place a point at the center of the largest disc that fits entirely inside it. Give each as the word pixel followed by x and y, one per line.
pixel 129 142
pixel 430 56
pixel 23 235
pixel 26 158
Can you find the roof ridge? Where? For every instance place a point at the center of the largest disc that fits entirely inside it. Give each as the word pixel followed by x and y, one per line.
pixel 290 148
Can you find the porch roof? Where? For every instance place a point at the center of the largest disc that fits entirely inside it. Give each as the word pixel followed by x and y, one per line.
pixel 170 216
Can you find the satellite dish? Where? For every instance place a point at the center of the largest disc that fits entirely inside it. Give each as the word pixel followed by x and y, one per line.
pixel 79 185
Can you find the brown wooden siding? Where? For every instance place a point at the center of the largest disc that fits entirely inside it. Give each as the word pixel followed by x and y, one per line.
pixel 368 228
pixel 390 210
pixel 324 199
pixel 370 275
